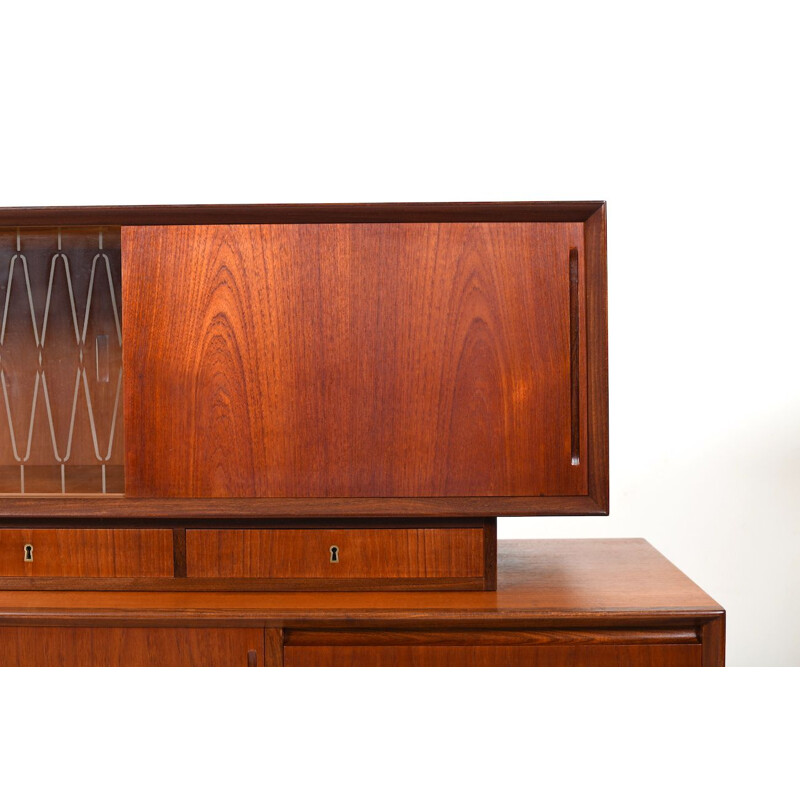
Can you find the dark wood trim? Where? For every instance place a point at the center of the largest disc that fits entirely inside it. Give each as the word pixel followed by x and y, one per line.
pixel 214 523
pixel 610 636
pixel 179 552
pixel 273 647
pixel 597 356
pixel 299 213
pixel 712 636
pixel 490 553
pixel 343 523
pixel 26 511
pixel 183 584
pixel 368 618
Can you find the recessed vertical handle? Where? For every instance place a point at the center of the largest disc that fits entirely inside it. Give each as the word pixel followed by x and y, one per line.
pixel 252 658
pixel 574 358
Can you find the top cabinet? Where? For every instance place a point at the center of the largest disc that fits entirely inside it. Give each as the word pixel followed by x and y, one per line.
pixel 407 359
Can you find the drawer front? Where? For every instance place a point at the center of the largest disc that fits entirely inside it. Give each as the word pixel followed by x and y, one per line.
pixel 86 553
pixel 333 554
pixel 495 656
pixel 546 648
pixel 131 647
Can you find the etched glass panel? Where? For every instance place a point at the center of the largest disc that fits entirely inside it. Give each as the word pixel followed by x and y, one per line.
pixel 60 361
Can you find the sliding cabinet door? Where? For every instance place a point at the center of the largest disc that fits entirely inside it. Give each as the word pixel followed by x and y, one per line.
pixel 359 360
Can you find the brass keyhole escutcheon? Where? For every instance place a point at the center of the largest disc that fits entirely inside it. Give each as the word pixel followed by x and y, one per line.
pixel 334 554
pixel 28 553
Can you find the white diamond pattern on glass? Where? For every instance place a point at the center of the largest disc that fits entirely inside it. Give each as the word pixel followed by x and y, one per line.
pixel 60 361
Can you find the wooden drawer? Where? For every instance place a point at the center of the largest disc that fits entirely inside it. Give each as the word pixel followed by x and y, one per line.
pixel 86 553
pixel 447 554
pixel 549 648
pixel 131 647
pixel 346 558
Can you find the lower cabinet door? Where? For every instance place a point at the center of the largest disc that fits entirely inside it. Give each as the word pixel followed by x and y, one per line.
pixel 489 649
pixel 131 647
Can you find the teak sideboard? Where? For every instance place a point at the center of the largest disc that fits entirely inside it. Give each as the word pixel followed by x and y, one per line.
pixel 297 399
pixel 579 602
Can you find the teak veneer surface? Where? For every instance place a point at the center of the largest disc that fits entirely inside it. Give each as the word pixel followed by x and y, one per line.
pixel 621 655
pixel 376 360
pixel 131 647
pixel 542 581
pixel 375 553
pixel 87 553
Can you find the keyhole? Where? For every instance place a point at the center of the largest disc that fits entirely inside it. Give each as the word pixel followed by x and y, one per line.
pixel 334 554
pixel 28 552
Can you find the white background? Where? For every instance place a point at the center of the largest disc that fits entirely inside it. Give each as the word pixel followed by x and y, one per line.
pixel 683 116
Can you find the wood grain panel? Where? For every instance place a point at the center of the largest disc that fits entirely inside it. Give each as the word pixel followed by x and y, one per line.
pixel 273 647
pixel 130 647
pixel 365 553
pixel 87 553
pixel 371 360
pixel 645 655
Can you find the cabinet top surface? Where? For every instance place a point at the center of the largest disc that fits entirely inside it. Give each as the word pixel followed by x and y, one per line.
pixel 559 211
pixel 538 580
